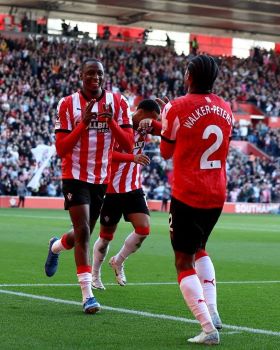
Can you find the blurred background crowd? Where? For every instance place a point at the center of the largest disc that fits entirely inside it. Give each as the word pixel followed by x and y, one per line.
pixel 34 75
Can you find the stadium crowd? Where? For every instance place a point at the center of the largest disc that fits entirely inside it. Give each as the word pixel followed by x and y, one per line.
pixel 34 75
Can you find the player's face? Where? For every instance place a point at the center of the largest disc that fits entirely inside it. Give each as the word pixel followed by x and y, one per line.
pixel 141 114
pixel 92 76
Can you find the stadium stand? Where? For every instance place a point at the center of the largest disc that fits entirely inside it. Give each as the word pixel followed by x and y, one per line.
pixel 34 76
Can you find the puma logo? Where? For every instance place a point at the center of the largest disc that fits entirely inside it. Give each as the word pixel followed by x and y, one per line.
pixel 211 282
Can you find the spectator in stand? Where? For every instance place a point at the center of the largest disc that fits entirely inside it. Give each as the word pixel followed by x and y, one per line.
pixel 106 33
pixel 194 46
pixel 21 192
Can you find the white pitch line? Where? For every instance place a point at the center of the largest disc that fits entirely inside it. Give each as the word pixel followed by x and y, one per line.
pixel 141 313
pixel 236 227
pixel 129 284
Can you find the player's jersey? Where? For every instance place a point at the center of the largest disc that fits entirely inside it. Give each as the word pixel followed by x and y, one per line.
pixel 126 177
pixel 90 159
pixel 200 125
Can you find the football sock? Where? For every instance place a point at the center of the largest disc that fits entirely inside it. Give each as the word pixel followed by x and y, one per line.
pixel 85 280
pixel 100 250
pixel 206 274
pixel 193 294
pixel 131 244
pixel 60 245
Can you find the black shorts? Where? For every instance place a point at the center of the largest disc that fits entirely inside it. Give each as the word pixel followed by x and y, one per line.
pixel 78 192
pixel 117 204
pixel 190 227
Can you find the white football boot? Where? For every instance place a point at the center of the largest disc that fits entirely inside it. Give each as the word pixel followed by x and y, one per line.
pixel 96 282
pixel 119 271
pixel 217 322
pixel 211 338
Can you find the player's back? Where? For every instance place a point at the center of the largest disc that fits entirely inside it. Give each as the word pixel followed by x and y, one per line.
pixel 202 125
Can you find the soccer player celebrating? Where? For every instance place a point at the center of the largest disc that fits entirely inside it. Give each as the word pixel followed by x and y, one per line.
pixel 88 124
pixel 196 130
pixel 125 197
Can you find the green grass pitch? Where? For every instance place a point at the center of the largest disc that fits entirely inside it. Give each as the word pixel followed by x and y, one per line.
pixel 38 312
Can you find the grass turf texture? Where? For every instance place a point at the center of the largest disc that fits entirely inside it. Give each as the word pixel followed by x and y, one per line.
pixel 243 248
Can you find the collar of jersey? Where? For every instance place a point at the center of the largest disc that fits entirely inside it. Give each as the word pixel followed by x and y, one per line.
pixel 98 99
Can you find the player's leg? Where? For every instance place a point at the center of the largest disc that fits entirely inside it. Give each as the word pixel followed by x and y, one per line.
pixel 110 215
pixel 56 245
pixel 75 192
pixel 100 251
pixel 136 211
pixel 80 217
pixel 186 236
pixel 205 268
pixel 141 224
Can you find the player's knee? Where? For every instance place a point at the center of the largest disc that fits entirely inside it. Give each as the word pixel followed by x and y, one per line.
pixel 106 236
pixel 82 233
pixel 142 230
pixel 183 261
pixel 200 254
pixel 107 232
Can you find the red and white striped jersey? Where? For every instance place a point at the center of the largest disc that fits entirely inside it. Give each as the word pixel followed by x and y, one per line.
pixel 90 159
pixel 126 177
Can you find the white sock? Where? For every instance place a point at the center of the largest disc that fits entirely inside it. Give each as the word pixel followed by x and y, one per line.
pixel 206 274
pixel 85 280
pixel 131 244
pixel 57 247
pixel 100 250
pixel 193 294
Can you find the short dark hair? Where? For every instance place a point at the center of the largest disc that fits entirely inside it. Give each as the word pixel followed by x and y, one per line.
pixel 89 60
pixel 203 70
pixel 149 106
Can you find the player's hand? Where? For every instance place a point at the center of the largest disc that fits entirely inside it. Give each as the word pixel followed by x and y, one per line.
pixel 162 102
pixel 141 159
pixel 87 114
pixel 107 113
pixel 145 124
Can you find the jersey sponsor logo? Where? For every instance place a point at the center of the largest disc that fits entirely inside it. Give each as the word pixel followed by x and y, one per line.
pixel 98 126
pixel 139 144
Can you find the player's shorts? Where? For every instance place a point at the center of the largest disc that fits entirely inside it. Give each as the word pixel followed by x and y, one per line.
pixel 117 204
pixel 190 227
pixel 78 192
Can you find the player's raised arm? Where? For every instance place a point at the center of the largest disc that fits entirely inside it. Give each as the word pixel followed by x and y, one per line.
pixel 67 139
pixel 123 135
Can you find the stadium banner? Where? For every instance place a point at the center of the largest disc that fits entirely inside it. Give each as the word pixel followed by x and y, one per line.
pixel 154 205
pixel 43 155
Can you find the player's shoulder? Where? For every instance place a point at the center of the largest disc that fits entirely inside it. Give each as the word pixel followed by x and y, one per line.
pixel 66 100
pixel 221 101
pixel 117 96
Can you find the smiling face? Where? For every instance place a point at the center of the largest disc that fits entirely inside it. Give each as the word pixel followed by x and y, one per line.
pixel 92 75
